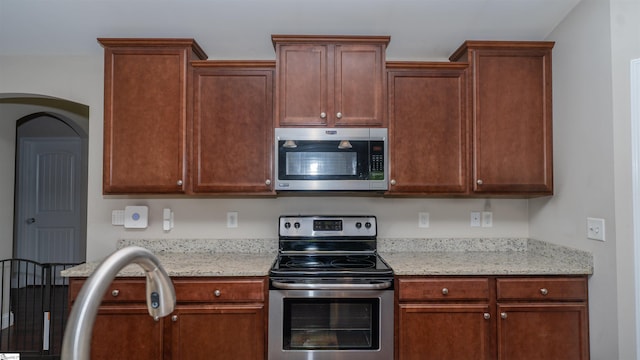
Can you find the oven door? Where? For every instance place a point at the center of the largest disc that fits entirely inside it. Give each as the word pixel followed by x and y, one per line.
pixel 330 324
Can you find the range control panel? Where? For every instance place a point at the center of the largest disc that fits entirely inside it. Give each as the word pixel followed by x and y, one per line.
pixel 325 226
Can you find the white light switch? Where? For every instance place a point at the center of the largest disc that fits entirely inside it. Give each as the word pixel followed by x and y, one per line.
pixel 232 219
pixel 167 219
pixel 423 219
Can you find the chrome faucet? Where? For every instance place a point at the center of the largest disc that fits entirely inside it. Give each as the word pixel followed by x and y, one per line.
pixel 161 297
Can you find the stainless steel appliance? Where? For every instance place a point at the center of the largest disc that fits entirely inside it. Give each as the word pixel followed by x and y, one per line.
pixel 330 293
pixel 331 159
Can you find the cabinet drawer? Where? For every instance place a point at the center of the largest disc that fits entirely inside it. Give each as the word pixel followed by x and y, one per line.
pixel 232 290
pixel 120 290
pixel 443 289
pixel 542 289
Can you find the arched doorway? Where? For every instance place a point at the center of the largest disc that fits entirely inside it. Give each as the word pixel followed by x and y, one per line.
pixel 50 192
pixel 45 114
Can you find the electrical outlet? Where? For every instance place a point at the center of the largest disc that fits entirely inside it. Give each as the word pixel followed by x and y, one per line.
pixel 232 219
pixel 487 219
pixel 475 219
pixel 423 219
pixel 595 229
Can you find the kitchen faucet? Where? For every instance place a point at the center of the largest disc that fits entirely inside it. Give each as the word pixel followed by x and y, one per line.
pixel 161 297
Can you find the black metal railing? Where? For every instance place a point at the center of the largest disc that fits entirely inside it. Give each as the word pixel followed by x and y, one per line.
pixel 34 306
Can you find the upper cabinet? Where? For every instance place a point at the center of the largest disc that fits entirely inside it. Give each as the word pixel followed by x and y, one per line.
pixel 145 114
pixel 232 127
pixel 428 122
pixel 511 116
pixel 330 80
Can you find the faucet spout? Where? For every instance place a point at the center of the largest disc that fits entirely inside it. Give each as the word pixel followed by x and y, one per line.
pixel 161 297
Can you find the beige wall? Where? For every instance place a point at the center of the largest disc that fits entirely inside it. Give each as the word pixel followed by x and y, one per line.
pixel 592 162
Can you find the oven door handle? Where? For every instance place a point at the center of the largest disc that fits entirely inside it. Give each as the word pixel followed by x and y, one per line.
pixel 304 286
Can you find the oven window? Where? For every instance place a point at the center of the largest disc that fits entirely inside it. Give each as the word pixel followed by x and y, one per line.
pixel 322 163
pixel 331 324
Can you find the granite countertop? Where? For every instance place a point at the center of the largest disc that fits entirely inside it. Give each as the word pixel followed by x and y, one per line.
pixel 254 257
pixel 187 257
pixel 484 257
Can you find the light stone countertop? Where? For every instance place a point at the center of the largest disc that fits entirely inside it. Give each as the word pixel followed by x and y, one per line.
pixel 484 257
pixel 468 256
pixel 194 264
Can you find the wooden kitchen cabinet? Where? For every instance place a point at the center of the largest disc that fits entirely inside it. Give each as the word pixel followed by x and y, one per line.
pixel 232 127
pixel 215 318
pixel 145 114
pixel 511 116
pixel 492 318
pixel 428 128
pixel 330 80
pixel 542 318
pixel 445 318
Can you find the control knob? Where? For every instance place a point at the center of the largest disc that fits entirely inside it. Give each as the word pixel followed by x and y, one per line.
pixel 287 225
pixel 367 225
pixel 358 225
pixel 296 225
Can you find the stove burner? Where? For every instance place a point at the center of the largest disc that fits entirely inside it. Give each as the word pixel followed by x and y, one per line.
pixel 329 262
pixel 354 261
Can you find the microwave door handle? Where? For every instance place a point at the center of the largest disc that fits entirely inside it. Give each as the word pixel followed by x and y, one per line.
pixel 305 286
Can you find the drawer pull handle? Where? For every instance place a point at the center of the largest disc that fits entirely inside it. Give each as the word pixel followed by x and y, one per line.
pixel 503 315
pixel 217 293
pixel 544 291
pixel 174 318
pixel 487 316
pixel 445 291
pixel 115 292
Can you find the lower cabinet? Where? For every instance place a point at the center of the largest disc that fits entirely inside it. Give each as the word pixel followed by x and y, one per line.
pixel 215 318
pixel 502 318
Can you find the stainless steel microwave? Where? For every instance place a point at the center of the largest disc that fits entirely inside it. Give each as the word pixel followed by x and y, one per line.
pixel 331 159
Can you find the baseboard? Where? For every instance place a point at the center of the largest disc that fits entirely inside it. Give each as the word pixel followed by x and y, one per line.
pixel 7 320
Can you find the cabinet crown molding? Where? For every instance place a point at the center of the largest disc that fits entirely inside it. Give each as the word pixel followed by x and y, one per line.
pixel 334 39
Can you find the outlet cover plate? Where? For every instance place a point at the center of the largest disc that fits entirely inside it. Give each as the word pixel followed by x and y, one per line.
pixel 595 229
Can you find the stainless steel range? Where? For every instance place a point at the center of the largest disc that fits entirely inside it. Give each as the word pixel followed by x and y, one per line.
pixel 331 294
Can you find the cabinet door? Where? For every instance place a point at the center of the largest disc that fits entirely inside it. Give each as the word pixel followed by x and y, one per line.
pixel 302 85
pixel 359 85
pixel 428 130
pixel 444 331
pixel 232 130
pixel 512 142
pixel 145 120
pixel 549 331
pixel 210 332
pixel 126 332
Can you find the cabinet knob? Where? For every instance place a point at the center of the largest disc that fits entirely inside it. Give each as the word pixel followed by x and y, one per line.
pixel 503 315
pixel 179 182
pixel 339 115
pixel 31 220
pixel 323 115
pixel 217 293
pixel 392 182
pixel 267 182
pixel 115 292
pixel 445 291
pixel 479 182
pixel 174 318
pixel 544 291
pixel 487 316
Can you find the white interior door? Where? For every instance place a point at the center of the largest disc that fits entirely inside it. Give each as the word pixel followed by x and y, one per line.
pixel 48 219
